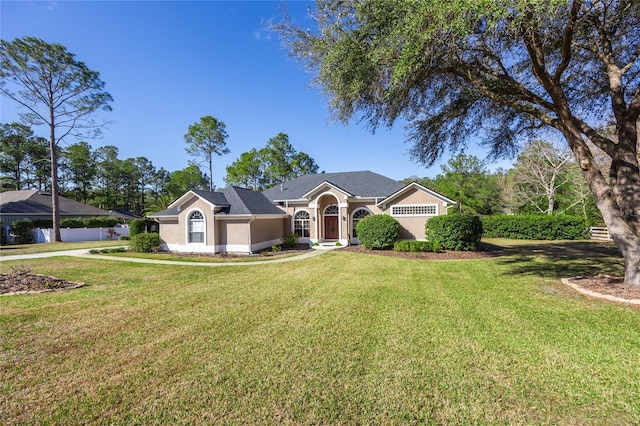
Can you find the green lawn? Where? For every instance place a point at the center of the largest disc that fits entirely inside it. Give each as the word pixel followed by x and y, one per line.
pixel 12 249
pixel 341 338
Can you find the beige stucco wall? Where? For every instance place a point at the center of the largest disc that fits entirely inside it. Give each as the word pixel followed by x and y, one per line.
pixel 170 230
pixel 415 196
pixel 233 232
pixel 173 231
pixel 413 227
pixel 267 229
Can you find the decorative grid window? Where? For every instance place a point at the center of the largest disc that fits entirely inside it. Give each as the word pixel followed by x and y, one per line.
pixel 301 224
pixel 357 217
pixel 421 210
pixel 196 227
pixel 332 210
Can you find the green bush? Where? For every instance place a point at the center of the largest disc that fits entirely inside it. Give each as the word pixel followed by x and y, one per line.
pixel 21 231
pixel 290 240
pixel 123 238
pixel 100 222
pixel 145 243
pixel 43 223
pixel 137 226
pixel 535 227
pixel 416 246
pixel 458 232
pixel 378 231
pixel 79 222
pixel 72 222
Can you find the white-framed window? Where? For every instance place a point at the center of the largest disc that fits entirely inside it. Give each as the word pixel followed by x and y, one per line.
pixel 358 215
pixel 415 210
pixel 196 227
pixel 301 224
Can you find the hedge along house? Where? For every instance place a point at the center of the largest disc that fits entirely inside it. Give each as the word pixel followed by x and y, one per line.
pixel 319 208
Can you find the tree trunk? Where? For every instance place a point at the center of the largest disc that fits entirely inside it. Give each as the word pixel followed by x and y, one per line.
pixel 55 206
pixel 617 200
pixel 210 172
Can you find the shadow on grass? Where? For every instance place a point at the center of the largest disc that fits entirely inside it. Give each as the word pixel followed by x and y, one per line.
pixel 560 259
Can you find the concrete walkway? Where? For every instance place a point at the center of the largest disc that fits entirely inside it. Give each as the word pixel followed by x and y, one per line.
pixel 85 253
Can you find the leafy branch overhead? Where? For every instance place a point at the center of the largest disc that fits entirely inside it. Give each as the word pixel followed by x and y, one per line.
pixel 500 72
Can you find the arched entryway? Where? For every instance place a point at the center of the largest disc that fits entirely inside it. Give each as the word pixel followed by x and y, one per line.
pixel 331 215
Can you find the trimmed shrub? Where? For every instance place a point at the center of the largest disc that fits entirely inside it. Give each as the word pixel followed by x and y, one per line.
pixel 72 222
pixel 535 227
pixel 79 222
pixel 21 231
pixel 378 231
pixel 100 222
pixel 290 240
pixel 43 223
pixel 458 232
pixel 145 243
pixel 416 246
pixel 137 226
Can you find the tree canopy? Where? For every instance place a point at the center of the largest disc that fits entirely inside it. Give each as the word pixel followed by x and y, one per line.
pixel 205 138
pixel 277 162
pixel 496 71
pixel 57 90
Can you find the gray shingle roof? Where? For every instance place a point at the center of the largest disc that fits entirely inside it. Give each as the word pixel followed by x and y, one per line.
pixel 359 184
pixel 246 201
pixel 38 203
pixel 233 200
pixel 214 197
pixel 167 212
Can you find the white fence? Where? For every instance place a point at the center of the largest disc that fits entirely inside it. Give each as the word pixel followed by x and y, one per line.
pixel 599 234
pixel 80 234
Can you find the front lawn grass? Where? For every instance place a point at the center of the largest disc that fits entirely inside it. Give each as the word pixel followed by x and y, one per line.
pixel 12 249
pixel 342 338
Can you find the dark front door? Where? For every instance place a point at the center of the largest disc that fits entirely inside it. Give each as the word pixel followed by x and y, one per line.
pixel 331 227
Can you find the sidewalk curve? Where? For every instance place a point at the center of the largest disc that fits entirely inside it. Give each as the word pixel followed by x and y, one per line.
pixel 85 253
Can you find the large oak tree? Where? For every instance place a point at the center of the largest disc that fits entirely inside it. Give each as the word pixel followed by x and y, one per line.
pixel 497 70
pixel 57 91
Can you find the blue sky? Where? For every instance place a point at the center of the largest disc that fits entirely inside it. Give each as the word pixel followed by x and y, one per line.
pixel 167 64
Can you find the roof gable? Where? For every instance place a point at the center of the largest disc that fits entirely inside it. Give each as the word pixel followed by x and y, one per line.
pixel 363 184
pixel 215 199
pixel 228 201
pixel 415 185
pixel 325 185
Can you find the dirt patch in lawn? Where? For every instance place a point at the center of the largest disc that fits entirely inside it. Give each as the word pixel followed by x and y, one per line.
pixel 22 281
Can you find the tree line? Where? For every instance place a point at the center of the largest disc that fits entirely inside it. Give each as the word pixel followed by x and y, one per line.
pixel 99 177
pixel 543 180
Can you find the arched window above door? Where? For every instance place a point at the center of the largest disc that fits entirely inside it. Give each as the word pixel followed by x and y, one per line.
pixel 332 210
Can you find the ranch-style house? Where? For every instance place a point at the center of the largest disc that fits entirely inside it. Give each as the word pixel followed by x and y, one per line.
pixel 320 208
